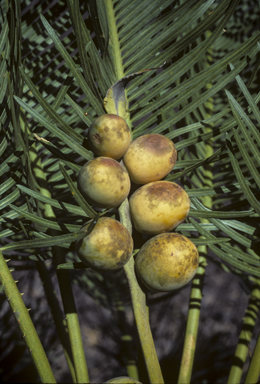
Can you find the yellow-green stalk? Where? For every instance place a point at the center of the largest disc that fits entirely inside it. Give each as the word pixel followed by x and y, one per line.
pixel 25 323
pixel 79 359
pixel 245 336
pixel 197 284
pixel 140 310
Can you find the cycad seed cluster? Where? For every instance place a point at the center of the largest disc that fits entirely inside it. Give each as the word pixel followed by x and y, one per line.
pixel 168 260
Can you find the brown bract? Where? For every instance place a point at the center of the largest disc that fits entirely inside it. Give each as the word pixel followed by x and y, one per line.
pixel 166 262
pixel 150 158
pixel 159 207
pixel 110 136
pixel 108 247
pixel 104 182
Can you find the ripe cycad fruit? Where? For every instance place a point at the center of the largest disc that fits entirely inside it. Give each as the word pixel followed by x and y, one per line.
pixel 122 380
pixel 158 207
pixel 167 262
pixel 110 136
pixel 150 158
pixel 108 246
pixel 104 182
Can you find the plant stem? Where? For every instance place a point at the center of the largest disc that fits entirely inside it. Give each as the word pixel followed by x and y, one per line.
pixel 113 39
pixel 245 335
pixel 25 323
pixel 58 316
pixel 64 283
pixel 72 321
pixel 192 324
pixel 122 108
pixel 143 326
pixel 254 368
pixel 140 310
pixel 197 284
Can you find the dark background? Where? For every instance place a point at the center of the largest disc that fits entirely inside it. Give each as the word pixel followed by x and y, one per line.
pixel 225 298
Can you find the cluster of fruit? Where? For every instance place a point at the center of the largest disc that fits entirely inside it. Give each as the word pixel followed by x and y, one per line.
pixel 168 260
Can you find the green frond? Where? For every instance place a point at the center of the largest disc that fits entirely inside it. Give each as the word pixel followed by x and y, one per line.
pixel 55 72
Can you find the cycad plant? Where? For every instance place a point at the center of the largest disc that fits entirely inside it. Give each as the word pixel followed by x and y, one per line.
pixel 185 69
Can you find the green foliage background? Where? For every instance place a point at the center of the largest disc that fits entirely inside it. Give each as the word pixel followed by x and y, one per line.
pixel 58 61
